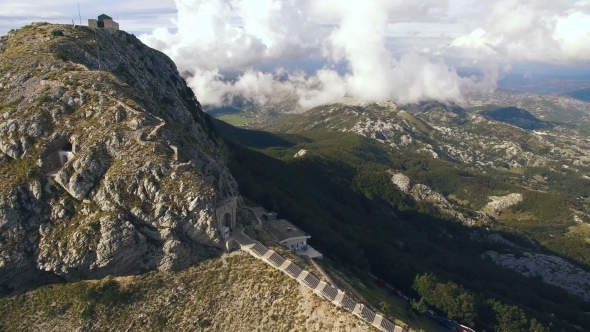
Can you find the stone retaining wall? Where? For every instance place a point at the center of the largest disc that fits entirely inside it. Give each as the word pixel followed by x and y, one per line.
pixel 320 288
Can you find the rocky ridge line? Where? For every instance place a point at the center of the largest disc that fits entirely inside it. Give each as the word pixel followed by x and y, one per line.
pixel 145 167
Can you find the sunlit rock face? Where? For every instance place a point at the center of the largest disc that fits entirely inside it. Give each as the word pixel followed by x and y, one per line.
pixel 109 165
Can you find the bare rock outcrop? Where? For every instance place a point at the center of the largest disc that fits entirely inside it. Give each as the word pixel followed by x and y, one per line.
pixel 552 270
pixel 402 182
pixel 440 204
pixel 497 238
pixel 107 166
pixel 422 192
pixel 300 153
pixel 501 203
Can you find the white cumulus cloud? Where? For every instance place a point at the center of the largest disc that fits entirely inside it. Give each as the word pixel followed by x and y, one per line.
pixel 532 30
pixel 353 41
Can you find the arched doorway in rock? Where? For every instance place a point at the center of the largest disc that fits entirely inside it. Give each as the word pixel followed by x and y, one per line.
pixel 227 220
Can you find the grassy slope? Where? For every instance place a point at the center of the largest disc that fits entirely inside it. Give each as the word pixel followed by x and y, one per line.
pixel 235 119
pixel 244 295
pixel 341 193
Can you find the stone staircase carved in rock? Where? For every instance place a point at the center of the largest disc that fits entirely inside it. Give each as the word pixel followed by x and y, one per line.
pixel 320 288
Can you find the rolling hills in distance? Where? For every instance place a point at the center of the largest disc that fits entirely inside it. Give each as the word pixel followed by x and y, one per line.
pixel 484 198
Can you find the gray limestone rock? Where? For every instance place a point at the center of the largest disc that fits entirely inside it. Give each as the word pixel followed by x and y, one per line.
pixel 99 156
pixel 497 238
pixel 440 203
pixel 422 192
pixel 552 270
pixel 79 177
pixel 121 247
pixel 500 203
pixel 300 153
pixel 402 182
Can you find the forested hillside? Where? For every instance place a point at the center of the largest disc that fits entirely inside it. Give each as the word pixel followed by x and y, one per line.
pixel 341 192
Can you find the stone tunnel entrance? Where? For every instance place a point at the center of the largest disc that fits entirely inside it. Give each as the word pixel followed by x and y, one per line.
pixel 225 212
pixel 227 220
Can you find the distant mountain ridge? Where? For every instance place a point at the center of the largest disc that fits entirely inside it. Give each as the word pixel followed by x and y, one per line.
pixel 517 117
pixel 582 94
pixel 335 171
pixel 441 131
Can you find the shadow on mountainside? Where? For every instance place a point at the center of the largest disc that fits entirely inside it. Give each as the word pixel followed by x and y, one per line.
pixel 361 221
pixel 254 138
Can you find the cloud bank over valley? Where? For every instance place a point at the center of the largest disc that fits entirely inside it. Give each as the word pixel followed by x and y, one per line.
pixel 216 36
pixel 319 52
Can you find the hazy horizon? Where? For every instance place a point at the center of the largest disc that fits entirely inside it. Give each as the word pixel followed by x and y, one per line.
pixel 323 51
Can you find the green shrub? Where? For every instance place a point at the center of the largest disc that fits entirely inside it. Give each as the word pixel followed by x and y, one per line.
pixel 44 98
pixel 57 32
pixel 61 55
pixel 12 103
pixel 161 321
pixel 204 323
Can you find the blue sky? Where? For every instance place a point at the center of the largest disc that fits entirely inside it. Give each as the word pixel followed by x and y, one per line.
pixel 327 50
pixel 135 16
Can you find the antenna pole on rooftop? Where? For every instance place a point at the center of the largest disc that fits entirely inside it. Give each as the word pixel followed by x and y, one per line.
pixel 80 16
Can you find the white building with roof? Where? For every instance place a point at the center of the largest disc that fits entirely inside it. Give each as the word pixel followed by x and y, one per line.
pixel 289 236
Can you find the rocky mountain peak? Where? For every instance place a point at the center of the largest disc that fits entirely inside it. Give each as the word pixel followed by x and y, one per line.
pixel 108 163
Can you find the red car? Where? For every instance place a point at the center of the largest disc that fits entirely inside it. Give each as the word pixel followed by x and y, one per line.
pixel 380 282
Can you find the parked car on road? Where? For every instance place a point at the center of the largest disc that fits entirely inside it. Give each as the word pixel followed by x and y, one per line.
pixel 431 314
pixel 398 293
pixel 463 328
pixel 380 282
pixel 445 323
pixel 408 299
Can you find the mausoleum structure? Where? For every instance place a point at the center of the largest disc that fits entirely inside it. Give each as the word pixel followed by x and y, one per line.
pixel 225 212
pixel 104 22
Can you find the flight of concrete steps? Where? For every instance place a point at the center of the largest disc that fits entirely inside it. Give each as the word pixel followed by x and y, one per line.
pixel 320 288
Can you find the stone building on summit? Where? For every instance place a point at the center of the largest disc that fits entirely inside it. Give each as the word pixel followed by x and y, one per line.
pixel 104 22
